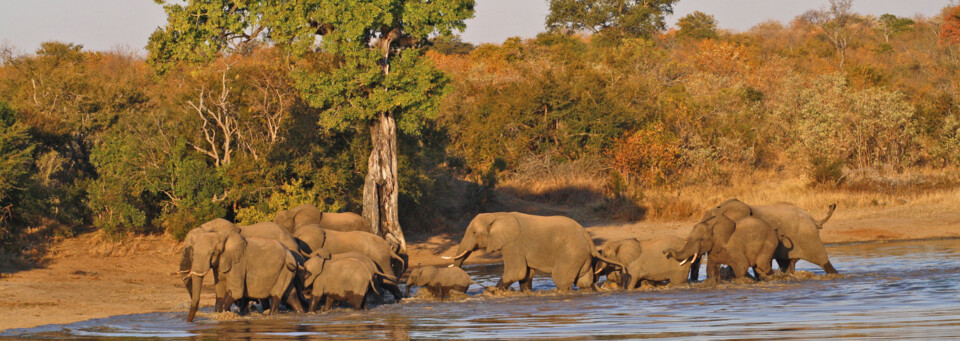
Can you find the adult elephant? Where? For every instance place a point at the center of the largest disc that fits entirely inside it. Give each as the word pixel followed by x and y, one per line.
pixel 799 233
pixel 247 268
pixel 556 245
pixel 308 214
pixel 644 262
pixel 748 242
pixel 335 242
pixel 223 228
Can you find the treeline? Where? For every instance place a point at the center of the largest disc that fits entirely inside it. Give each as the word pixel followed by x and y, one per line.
pixel 103 139
pixel 699 104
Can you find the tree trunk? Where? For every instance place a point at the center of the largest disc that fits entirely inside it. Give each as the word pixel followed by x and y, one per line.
pixel 380 188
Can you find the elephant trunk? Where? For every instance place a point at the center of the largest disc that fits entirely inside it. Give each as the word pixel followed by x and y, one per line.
pixel 195 284
pixel 690 249
pixel 467 245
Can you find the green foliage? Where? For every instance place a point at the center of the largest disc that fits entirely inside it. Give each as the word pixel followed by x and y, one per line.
pixel 290 194
pixel 697 25
pixel 614 17
pixel 862 128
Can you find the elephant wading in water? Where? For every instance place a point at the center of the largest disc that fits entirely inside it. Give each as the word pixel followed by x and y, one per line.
pixel 439 281
pixel 556 245
pixel 799 233
pixel 368 244
pixel 247 268
pixel 644 262
pixel 746 243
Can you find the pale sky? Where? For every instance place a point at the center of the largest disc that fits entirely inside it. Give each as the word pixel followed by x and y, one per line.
pixel 110 24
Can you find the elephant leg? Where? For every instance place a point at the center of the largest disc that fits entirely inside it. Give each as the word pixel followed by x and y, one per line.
pixel 274 304
pixel 313 303
pixel 695 269
pixel 444 291
pixel 563 278
pixel 514 268
pixel 226 302
pixel 792 267
pixel 586 281
pixel 327 304
pixel 293 299
pixel 356 301
pixel 828 268
pixel 632 284
pixel 394 290
pixel 526 284
pixel 713 271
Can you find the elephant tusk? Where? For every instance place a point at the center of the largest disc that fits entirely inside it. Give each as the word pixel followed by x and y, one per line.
pixel 684 261
pixel 450 266
pixel 695 256
pixel 460 255
pixel 446 257
pixel 184 271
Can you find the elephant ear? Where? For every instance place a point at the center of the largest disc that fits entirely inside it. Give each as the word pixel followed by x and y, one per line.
pixel 233 249
pixel 723 228
pixel 502 231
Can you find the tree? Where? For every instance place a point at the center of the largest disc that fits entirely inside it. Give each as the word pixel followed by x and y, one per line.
pixel 632 17
pixel 697 25
pixel 833 21
pixel 380 83
pixel 889 25
pixel 950 29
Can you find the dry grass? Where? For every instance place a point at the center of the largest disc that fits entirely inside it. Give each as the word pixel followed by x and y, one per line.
pixel 584 189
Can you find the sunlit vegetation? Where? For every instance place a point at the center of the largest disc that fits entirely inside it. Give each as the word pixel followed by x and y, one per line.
pixel 106 140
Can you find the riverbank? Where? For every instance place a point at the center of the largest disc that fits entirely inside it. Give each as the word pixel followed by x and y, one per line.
pixel 90 277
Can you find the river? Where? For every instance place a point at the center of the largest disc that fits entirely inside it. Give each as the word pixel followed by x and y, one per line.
pixel 895 290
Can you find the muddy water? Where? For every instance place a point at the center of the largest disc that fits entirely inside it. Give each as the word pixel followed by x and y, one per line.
pixel 887 290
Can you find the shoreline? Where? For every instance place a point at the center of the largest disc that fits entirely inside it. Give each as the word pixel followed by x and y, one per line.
pixel 86 277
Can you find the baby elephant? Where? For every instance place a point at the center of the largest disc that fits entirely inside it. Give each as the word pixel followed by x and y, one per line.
pixel 439 281
pixel 339 280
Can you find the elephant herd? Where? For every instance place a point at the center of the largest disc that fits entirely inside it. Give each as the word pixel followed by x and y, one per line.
pixel 307 256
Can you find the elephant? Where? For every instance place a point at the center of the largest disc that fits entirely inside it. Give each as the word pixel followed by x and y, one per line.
pixel 223 227
pixel 644 262
pixel 551 244
pixel 345 279
pixel 220 227
pixel 313 238
pixel 247 268
pixel 439 281
pixel 799 232
pixel 271 230
pixel 748 242
pixel 307 214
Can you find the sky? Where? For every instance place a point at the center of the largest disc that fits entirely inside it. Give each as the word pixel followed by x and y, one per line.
pixel 127 24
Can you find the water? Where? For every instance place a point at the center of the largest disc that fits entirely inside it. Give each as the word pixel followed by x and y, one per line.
pixel 887 291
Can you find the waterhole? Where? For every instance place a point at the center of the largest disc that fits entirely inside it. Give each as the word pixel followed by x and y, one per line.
pixel 897 290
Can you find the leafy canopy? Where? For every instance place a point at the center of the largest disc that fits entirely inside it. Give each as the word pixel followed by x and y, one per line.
pixel 632 17
pixel 360 35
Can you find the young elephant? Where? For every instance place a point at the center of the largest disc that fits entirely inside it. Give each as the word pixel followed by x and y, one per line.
pixel 748 242
pixel 345 279
pixel 439 281
pixel 651 266
pixel 313 237
pixel 623 251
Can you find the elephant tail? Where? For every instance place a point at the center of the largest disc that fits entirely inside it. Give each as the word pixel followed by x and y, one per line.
pixel 381 274
pixel 829 214
pixel 403 263
pixel 373 286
